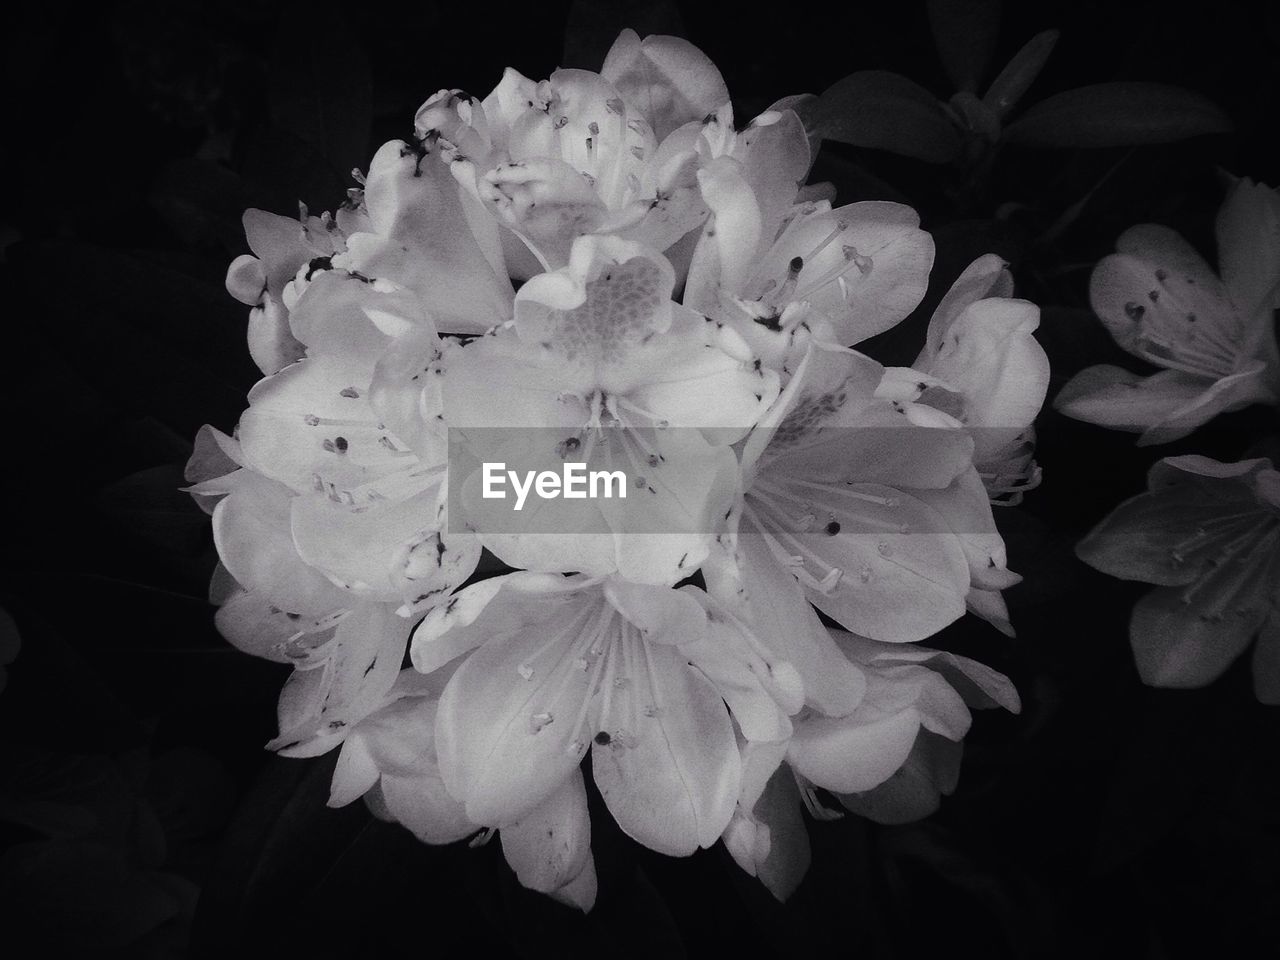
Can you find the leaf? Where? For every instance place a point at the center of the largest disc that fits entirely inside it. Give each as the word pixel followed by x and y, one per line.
pixel 81 894
pixel 964 31
pixel 1119 114
pixel 1020 72
pixel 886 111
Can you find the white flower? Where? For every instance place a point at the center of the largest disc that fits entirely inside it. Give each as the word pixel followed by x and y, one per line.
pixel 982 365
pixel 890 760
pixel 1213 333
pixel 576 154
pixel 281 248
pixel 782 272
pixel 328 510
pixel 868 508
pixel 667 80
pixel 598 345
pixel 390 760
pixel 1208 535
pixel 640 675
pixel 426 235
pixel 796 476
pixel 346 650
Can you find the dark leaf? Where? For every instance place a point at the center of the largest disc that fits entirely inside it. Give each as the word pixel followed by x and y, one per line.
pixel 886 111
pixel 1119 114
pixel 1020 72
pixel 964 31
pixel 77 894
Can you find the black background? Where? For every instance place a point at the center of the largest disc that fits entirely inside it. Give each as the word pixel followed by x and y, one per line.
pixel 142 816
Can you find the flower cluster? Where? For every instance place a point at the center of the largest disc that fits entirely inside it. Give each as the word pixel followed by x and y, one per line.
pixel 1212 333
pixel 1206 533
pixel 608 259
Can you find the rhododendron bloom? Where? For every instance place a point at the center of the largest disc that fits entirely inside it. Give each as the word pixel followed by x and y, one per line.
pixel 890 760
pixel 496 300
pixel 583 152
pixel 1213 333
pixel 281 248
pixel 982 365
pixel 864 505
pixel 642 676
pixel 390 760
pixel 600 344
pixel 425 235
pixel 1208 535
pixel 808 271
pixel 328 523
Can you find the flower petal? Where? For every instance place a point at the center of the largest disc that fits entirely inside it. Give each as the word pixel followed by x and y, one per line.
pixel 1169 536
pixel 667 79
pixel 508 718
pixel 1175 647
pixel 1111 396
pixel 545 200
pixel 778 809
pixel 1248 231
pixel 422 239
pixel 313 422
pixel 881 254
pixel 915 790
pixel 966 510
pixel 251 532
pixel 988 353
pixel 550 847
pixel 470 617
pixel 698 376
pixel 423 806
pixel 774 605
pixel 661 615
pixel 1160 301
pixel 856 753
pixel 272 344
pixel 988 276
pixel 252 623
pixel 390 550
pixel 738 680
pixel 354 774
pixel 671 773
pixel 321 704
pixel 405 394
pixel 860 568
pixel 1266 662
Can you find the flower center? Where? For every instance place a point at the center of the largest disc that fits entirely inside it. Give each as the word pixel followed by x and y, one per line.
pixel 622 309
pixel 1182 327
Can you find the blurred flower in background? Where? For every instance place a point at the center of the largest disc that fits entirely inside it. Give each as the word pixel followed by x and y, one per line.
pixel 1208 535
pixel 1213 333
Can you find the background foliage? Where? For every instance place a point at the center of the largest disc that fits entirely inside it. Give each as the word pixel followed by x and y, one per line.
pixel 139 814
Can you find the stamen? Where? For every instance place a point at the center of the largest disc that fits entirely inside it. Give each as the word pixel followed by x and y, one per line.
pixel 796 562
pixel 616 401
pixel 312 420
pixel 817 809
